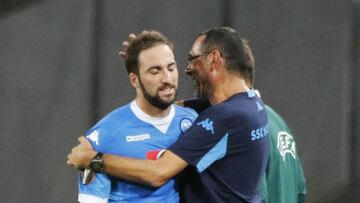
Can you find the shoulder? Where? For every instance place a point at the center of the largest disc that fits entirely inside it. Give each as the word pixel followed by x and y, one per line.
pixel 272 113
pixel 234 107
pixel 103 130
pixel 239 110
pixel 185 111
pixel 118 114
pixel 115 117
pixel 275 119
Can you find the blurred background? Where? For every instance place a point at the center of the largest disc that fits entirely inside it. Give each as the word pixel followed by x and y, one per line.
pixel 60 73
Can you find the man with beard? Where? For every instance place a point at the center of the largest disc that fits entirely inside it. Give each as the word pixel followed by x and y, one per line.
pixel 141 128
pixel 226 149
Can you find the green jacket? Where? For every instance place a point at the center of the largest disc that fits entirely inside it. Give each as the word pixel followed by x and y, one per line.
pixel 284 181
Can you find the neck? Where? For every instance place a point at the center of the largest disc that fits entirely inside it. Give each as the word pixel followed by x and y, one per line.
pixel 151 110
pixel 227 86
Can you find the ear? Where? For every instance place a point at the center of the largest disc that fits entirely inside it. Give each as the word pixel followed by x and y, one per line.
pixel 216 56
pixel 134 80
pixel 216 60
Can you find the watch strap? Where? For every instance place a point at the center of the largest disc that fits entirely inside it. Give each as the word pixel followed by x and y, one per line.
pixel 98 156
pixel 96 163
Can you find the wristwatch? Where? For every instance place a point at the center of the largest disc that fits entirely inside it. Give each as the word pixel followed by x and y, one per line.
pixel 96 163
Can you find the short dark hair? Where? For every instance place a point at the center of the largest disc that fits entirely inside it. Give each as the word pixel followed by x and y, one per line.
pixel 143 41
pixel 235 50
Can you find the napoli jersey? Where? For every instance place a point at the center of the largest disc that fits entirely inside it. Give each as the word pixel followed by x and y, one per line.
pixel 227 149
pixel 129 132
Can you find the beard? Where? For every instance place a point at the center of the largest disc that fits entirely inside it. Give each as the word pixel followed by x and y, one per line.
pixel 203 87
pixel 155 100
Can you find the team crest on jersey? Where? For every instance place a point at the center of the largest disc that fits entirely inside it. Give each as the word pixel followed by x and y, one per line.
pixel 286 145
pixel 185 124
pixel 207 124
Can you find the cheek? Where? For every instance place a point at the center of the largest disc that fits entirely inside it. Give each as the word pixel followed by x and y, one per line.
pixel 152 79
pixel 201 76
pixel 175 77
pixel 150 83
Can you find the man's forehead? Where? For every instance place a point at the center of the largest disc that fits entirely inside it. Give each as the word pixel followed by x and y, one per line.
pixel 196 47
pixel 157 55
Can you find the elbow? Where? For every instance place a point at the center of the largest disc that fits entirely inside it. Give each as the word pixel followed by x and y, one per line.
pixel 159 173
pixel 158 179
pixel 157 183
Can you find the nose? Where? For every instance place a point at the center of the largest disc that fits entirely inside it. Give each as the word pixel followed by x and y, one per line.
pixel 166 77
pixel 188 70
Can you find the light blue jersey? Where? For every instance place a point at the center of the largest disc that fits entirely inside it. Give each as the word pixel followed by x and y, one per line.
pixel 129 132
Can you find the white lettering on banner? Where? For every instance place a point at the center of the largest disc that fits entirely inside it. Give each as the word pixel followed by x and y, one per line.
pixel 137 138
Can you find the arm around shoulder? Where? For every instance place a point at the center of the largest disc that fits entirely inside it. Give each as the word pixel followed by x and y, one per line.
pixel 150 172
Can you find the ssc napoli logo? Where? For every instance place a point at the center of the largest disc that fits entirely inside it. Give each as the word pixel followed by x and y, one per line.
pixel 185 124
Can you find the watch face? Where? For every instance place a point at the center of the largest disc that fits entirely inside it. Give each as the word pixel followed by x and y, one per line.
pixel 96 165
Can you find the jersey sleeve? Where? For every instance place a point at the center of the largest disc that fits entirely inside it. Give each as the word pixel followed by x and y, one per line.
pixel 99 138
pixel 301 184
pixel 97 191
pixel 203 143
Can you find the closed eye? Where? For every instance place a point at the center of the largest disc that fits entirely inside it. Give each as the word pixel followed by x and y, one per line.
pixel 172 66
pixel 154 70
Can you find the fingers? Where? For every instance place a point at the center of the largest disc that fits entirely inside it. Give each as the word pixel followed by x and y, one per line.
pixel 68 162
pixel 81 155
pixel 82 139
pixel 76 157
pixel 84 142
pixel 188 70
pixel 73 161
pixel 126 44
pixel 131 37
pixel 145 32
pixel 122 55
pixel 180 102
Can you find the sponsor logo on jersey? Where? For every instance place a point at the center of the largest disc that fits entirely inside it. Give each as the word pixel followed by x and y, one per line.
pixel 138 138
pixel 286 144
pixel 259 133
pixel 207 124
pixel 259 106
pixel 185 124
pixel 94 137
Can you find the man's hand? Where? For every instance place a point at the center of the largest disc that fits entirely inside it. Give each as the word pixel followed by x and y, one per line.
pixel 126 45
pixel 81 154
pixel 127 42
pixel 180 102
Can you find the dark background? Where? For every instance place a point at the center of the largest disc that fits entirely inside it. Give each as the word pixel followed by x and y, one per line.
pixel 59 73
